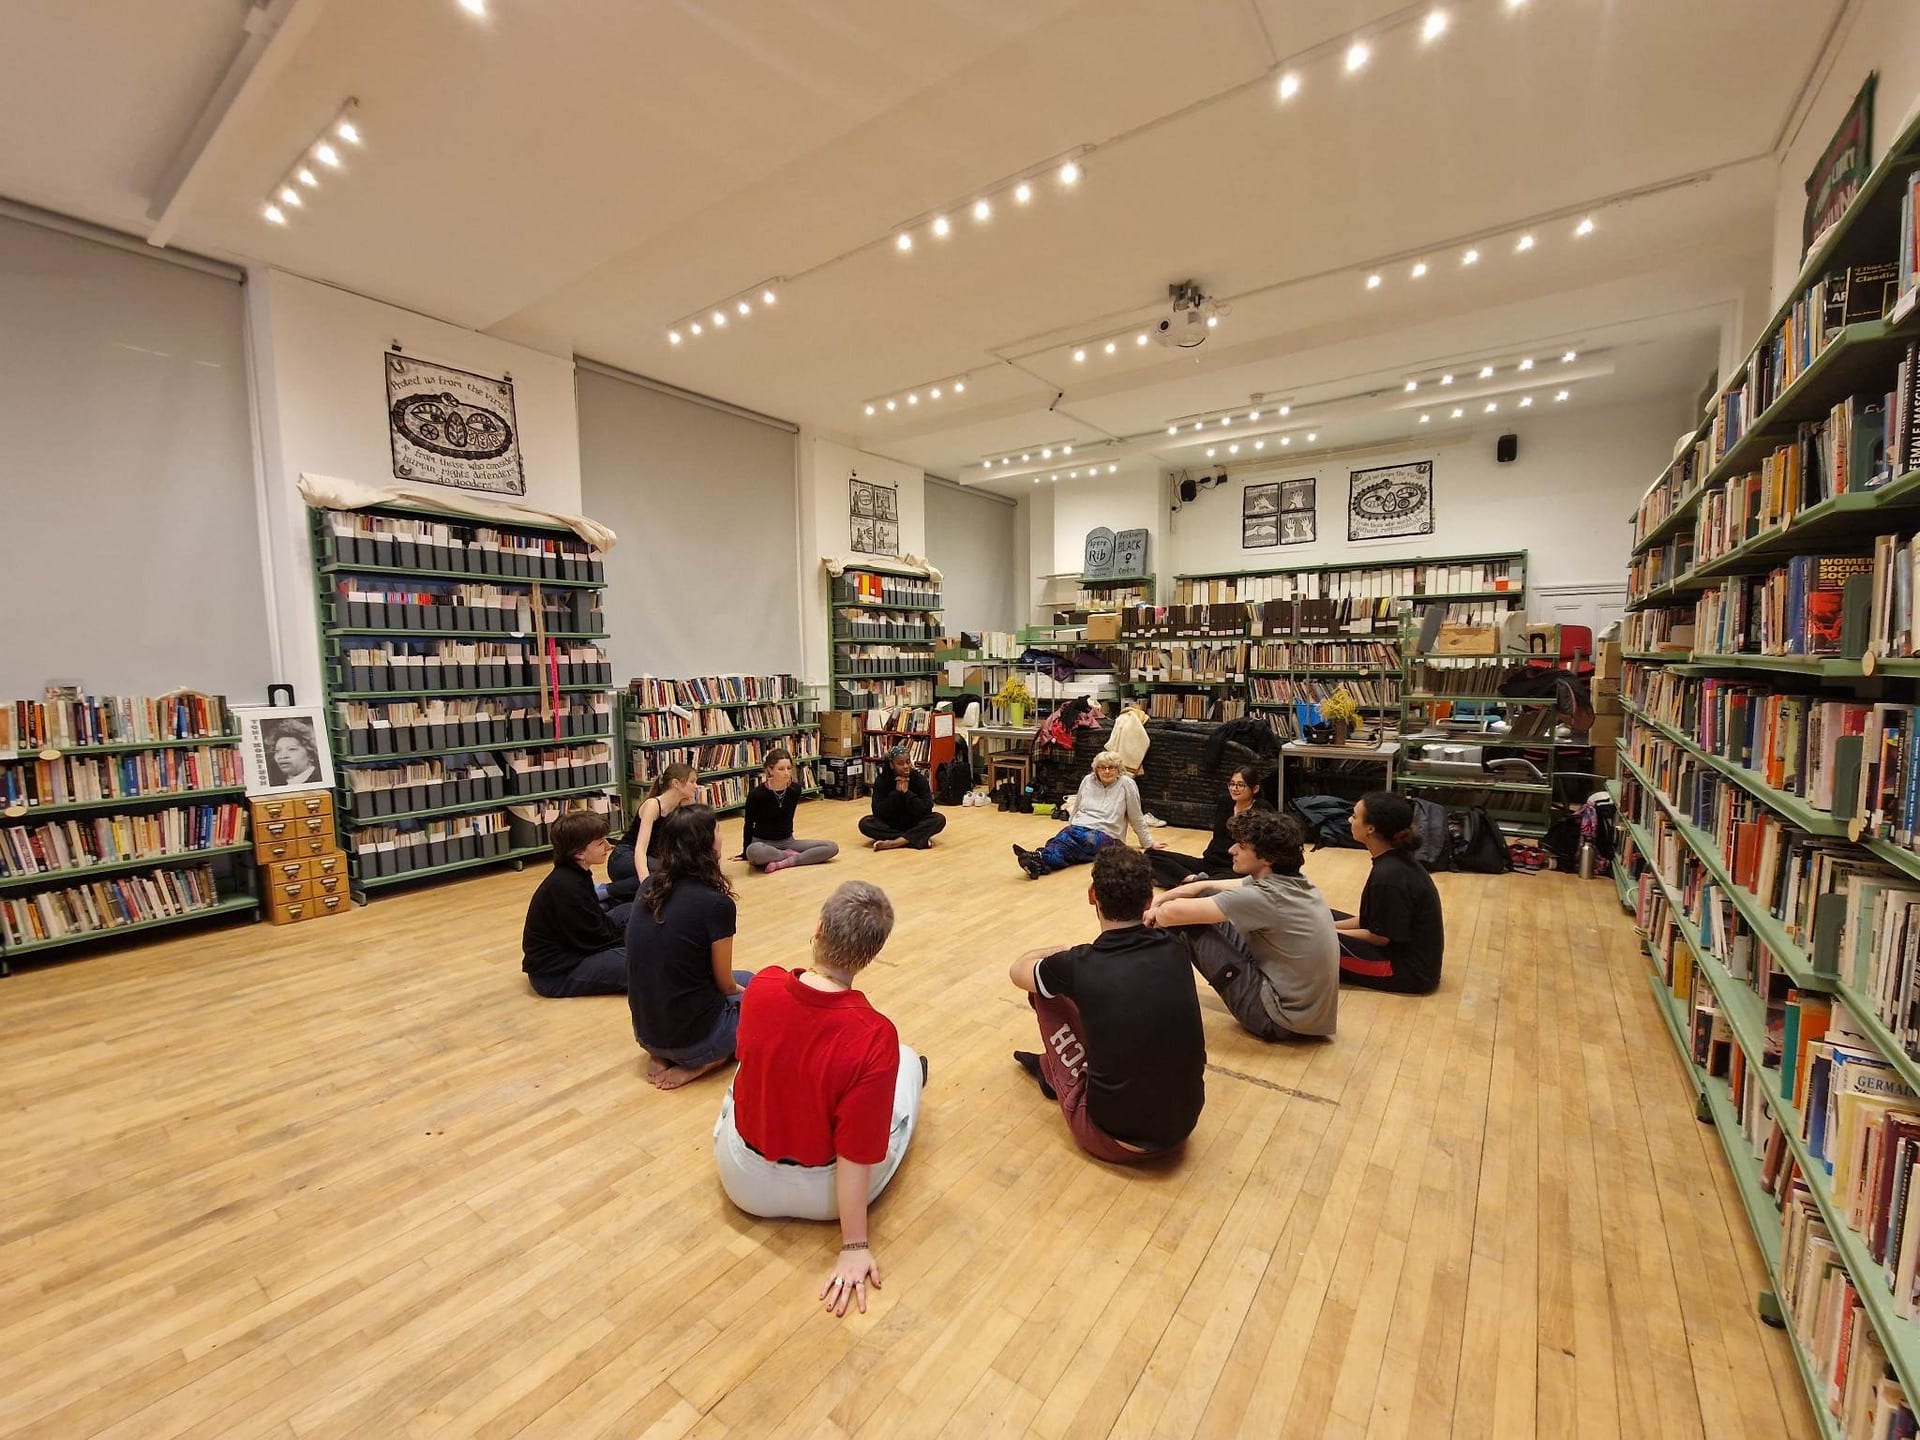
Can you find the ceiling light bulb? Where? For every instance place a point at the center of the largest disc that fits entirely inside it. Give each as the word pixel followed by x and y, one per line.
pixel 1515 4
pixel 1286 439
pixel 766 297
pixel 1022 193
pixel 1491 407
pixel 913 398
pixel 982 210
pixel 1525 401
pixel 1419 269
pixel 903 242
pixel 1233 449
pixel 1073 474
pixel 1561 396
pixel 1436 25
pixel 307 178
pixel 694 327
pixel 744 308
pixel 1173 429
pixel 1527 364
pixel 935 392
pixel 1226 420
pixel 1569 357
pixel 346 131
pixel 1286 409
pixel 1198 423
pixel 1411 386
pixel 275 214
pixel 1213 322
pixel 959 387
pixel 673 338
pixel 1054 476
pixel 1027 455
pixel 892 406
pixel 1373 282
pixel 1069 173
pixel 1486 372
pixel 1036 479
pixel 1425 418
pixel 1446 379
pixel 1079 356
pixel 1357 55
pixel 1311 437
pixel 941 227
pixel 1458 412
pixel 1585 227
pixel 1259 444
pixel 474 7
pixel 326 154
pixel 1047 454
pixel 1472 257
pixel 1210 452
pixel 870 411
pixel 1111 347
pixel 1141 338
pixel 1252 415
pixel 1113 469
pixel 1525 242
pixel 719 317
pixel 290 196
pixel 1066 449
pixel 1289 85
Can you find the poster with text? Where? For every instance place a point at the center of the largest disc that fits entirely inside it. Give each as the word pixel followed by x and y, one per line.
pixel 452 427
pixel 1390 501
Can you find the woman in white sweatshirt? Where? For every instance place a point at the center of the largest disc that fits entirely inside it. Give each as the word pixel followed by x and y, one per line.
pixel 1107 806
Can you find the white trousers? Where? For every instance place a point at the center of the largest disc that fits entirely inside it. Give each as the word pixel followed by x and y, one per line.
pixel 805 1192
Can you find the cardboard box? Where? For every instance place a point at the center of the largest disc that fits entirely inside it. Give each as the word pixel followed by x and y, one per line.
pixel 1467 640
pixel 1606 730
pixel 1103 628
pixel 839 747
pixel 1607 664
pixel 840 725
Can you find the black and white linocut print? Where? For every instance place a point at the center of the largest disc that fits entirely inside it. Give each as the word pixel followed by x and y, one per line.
pixel 452 427
pixel 1390 501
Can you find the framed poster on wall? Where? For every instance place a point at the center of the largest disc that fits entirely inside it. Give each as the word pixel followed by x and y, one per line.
pixel 1259 516
pixel 873 517
pixel 1390 501
pixel 1297 507
pixel 452 427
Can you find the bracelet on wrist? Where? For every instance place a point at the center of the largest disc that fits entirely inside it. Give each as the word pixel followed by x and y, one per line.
pixel 853 1245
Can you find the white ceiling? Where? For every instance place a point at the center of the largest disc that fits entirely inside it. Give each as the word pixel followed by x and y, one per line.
pixel 581 174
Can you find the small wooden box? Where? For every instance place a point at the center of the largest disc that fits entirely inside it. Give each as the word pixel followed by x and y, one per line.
pixel 295 912
pixel 289 807
pixel 1467 640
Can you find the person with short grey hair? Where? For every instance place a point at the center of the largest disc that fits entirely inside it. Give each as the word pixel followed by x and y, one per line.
pixel 903 813
pixel 822 1108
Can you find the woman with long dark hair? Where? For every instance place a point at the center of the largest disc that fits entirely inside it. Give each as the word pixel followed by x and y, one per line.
pixel 767 841
pixel 1216 861
pixel 1397 940
pixel 673 787
pixel 681 984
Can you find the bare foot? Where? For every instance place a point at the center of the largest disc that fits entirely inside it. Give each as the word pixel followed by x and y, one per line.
pixel 656 1067
pixel 675 1076
pixel 899 842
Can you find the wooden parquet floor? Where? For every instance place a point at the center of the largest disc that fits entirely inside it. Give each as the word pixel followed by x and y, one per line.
pixel 352 1178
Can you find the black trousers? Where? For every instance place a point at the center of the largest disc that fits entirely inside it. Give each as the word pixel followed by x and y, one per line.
pixel 1171 869
pixel 917 836
pixel 1371 967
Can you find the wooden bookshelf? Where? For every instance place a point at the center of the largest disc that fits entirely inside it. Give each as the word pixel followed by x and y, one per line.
pixel 1695 760
pixel 649 705
pixel 883 628
pixel 458 660
pixel 75 867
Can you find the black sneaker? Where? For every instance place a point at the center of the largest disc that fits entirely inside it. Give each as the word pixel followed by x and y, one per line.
pixel 1030 1062
pixel 926 1072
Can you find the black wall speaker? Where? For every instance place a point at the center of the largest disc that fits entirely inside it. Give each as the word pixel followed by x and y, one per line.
pixel 1189 492
pixel 1507 449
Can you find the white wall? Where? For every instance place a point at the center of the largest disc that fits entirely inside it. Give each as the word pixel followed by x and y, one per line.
pixel 128 521
pixel 825 466
pixel 704 578
pixel 1130 500
pixel 972 536
pixel 319 355
pixel 1565 500
pixel 1882 35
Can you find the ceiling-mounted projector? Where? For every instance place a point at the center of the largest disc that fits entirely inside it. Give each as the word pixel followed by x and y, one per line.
pixel 1188 322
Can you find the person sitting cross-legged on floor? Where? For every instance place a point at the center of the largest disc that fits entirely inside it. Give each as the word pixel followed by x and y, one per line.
pixel 1216 861
pixel 767 841
pixel 1399 937
pixel 1106 806
pixel 823 1106
pixel 1121 1044
pixel 903 812
pixel 681 984
pixel 637 854
pixel 569 945
pixel 1263 940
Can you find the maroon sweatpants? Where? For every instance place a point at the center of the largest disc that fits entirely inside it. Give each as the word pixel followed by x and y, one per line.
pixel 1063 1061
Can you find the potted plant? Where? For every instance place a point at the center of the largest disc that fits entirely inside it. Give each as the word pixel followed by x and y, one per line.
pixel 1015 696
pixel 1339 711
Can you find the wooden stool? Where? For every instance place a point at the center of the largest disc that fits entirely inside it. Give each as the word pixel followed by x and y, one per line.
pixel 1017 768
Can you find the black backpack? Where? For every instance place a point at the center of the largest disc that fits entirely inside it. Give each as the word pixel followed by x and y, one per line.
pixel 1328 820
pixel 1436 840
pixel 954 782
pixel 1478 846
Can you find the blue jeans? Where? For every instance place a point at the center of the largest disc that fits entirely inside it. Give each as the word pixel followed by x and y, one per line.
pixel 719 1042
pixel 1075 845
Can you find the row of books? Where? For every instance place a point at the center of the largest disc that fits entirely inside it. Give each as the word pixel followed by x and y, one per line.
pixel 1668 628
pixel 1234 619
pixel 551 768
pixel 1369 694
pixel 674 723
pixel 369 730
pixel 107 904
pixel 1173 705
pixel 595 710
pixel 1797 609
pixel 1659 566
pixel 417 666
pixel 863 587
pixel 107 777
pixel 1374 582
pixel 919 749
pixel 1111 595
pixel 865 659
pixel 1305 655
pixel 1842 454
pixel 462 605
pixel 898 720
pixel 869 694
pixel 646 765
pixel 1199 664
pixel 428 782
pixel 1675 484
pixel 1428 676
pixel 410 543
pixel 65 718
pixel 75 844
pixel 856 623
pixel 649 693
pixel 1834 301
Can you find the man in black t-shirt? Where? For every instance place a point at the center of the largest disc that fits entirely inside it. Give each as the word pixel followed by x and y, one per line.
pixel 1122 1048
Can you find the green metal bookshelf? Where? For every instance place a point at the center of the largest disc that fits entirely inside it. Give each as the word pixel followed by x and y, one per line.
pixel 859 683
pixel 640 748
pixel 544 567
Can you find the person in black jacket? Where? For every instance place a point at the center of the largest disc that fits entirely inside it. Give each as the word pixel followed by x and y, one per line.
pixel 1216 861
pixel 903 812
pixel 767 841
pixel 569 945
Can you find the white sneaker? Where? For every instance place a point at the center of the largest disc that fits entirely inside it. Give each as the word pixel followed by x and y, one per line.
pixel 1152 820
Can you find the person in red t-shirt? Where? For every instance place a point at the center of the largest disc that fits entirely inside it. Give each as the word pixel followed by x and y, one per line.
pixel 821 1109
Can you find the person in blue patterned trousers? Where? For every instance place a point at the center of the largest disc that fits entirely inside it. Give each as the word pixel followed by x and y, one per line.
pixel 1106 807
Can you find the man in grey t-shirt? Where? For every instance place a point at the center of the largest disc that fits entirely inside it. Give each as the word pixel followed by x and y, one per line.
pixel 1265 939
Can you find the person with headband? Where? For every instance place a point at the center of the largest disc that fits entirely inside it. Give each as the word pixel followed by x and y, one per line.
pixel 903 812
pixel 823 1106
pixel 1107 805
pixel 766 837
pixel 1397 940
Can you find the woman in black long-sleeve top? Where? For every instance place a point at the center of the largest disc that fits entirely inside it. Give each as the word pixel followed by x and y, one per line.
pixel 767 841
pixel 903 812
pixel 1215 863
